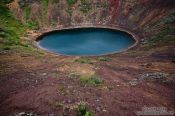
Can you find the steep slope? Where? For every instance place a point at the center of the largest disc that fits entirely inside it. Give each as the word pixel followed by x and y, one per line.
pixel 143 17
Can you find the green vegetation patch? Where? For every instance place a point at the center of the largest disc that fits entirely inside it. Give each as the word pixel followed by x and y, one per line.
pixel 27 12
pixel 45 3
pixel 91 80
pixel 164 37
pixel 71 2
pixel 2 2
pixel 30 24
pixel 69 11
pixel 85 6
pixel 104 59
pixel 10 28
pixel 83 111
pixel 84 60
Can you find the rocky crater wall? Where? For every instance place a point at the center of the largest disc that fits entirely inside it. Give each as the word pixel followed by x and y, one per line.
pixel 143 17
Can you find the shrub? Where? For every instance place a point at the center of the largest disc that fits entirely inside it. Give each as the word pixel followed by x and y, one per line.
pixel 10 28
pixel 85 6
pixel 5 1
pixel 70 2
pixel 6 48
pixel 32 25
pixel 69 11
pixel 104 59
pixel 91 80
pixel 84 60
pixel 163 37
pixel 83 111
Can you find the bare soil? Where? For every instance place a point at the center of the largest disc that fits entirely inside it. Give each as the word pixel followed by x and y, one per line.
pixel 43 85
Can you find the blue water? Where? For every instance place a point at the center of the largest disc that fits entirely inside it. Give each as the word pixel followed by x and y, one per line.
pixel 86 41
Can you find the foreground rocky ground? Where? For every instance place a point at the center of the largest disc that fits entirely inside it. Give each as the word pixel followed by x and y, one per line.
pixel 46 85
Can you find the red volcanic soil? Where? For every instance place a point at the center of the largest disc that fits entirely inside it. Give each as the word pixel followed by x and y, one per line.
pixel 114 5
pixel 43 85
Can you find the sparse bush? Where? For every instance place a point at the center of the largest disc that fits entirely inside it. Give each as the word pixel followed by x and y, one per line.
pixel 69 11
pixel 163 37
pixel 91 80
pixel 85 6
pixel 70 2
pixel 45 3
pixel 32 25
pixel 10 28
pixel 27 12
pixel 6 48
pixel 5 1
pixel 55 1
pixel 104 59
pixel 83 60
pixel 83 111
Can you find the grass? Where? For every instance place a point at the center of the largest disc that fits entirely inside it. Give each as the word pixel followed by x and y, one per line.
pixel 5 1
pixel 69 11
pixel 10 32
pixel 83 111
pixel 104 59
pixel 32 25
pixel 10 29
pixel 6 47
pixel 44 18
pixel 71 2
pixel 80 108
pixel 45 3
pixel 164 37
pixel 84 60
pixel 91 80
pixel 75 75
pixel 85 6
pixel 87 79
pixel 27 12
